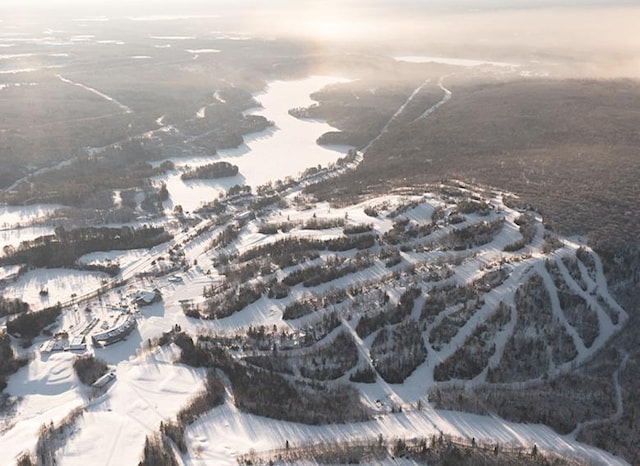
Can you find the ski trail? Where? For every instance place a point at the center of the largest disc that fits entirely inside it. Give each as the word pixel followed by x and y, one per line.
pixel 433 108
pixel 600 281
pixel 388 390
pixel 395 115
pixel 616 381
pixel 364 352
pixel 96 92
pixel 114 444
pixel 558 313
pixel 615 417
pixel 603 289
pixel 40 171
pixel 605 325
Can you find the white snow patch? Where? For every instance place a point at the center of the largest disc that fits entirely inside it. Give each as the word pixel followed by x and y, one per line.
pixel 61 284
pixel 225 433
pixel 173 37
pixel 451 61
pixel 199 51
pixel 15 216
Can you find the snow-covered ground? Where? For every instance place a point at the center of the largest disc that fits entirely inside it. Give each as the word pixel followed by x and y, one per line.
pixel 150 387
pixel 123 258
pixel 147 390
pixel 219 437
pixel 48 390
pixel 14 216
pixel 61 285
pixel 14 236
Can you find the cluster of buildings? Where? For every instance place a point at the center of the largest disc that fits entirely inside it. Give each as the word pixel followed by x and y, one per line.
pixel 77 343
pixel 116 333
pixel 108 336
pixel 125 327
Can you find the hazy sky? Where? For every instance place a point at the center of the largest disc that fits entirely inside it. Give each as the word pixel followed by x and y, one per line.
pixel 172 6
pixel 607 31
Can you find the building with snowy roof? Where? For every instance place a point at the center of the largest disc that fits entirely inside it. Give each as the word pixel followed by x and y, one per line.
pixel 116 333
pixel 146 297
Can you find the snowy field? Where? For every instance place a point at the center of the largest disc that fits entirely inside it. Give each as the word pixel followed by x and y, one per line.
pixel 148 389
pixel 124 258
pixel 12 237
pixel 60 284
pixel 16 216
pixel 226 432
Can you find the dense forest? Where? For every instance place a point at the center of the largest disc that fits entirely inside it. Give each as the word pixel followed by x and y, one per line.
pixel 30 324
pixel 12 306
pixel 210 171
pixel 65 247
pixel 9 363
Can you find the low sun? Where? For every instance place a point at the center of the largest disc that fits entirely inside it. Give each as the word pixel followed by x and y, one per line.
pixel 329 28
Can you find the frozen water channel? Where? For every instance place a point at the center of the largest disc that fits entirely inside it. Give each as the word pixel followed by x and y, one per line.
pixel 286 149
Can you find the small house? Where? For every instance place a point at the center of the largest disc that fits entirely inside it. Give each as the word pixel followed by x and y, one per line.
pixel 146 297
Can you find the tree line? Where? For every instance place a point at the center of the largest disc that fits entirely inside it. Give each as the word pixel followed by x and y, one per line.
pixel 211 171
pixel 65 247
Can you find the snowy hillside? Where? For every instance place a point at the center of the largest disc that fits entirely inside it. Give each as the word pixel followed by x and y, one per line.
pixel 320 324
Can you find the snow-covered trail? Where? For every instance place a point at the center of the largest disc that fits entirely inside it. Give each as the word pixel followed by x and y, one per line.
pixel 40 171
pixel 123 107
pixel 606 326
pixel 224 433
pixel 616 381
pixel 600 281
pixel 444 100
pixel 77 120
pixel 618 399
pixel 561 318
pixel 363 350
pixel 395 115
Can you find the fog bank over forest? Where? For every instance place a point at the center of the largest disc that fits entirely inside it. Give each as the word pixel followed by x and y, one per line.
pixel 577 38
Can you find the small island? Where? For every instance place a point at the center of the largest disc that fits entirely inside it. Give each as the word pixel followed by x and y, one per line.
pixel 210 171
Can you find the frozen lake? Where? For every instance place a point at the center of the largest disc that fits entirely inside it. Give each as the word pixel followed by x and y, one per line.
pixel 450 61
pixel 284 150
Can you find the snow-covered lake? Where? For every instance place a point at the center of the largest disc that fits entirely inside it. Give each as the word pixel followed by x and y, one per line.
pixel 284 150
pixel 450 61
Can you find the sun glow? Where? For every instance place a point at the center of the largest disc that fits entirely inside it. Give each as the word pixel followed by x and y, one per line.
pixel 329 28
